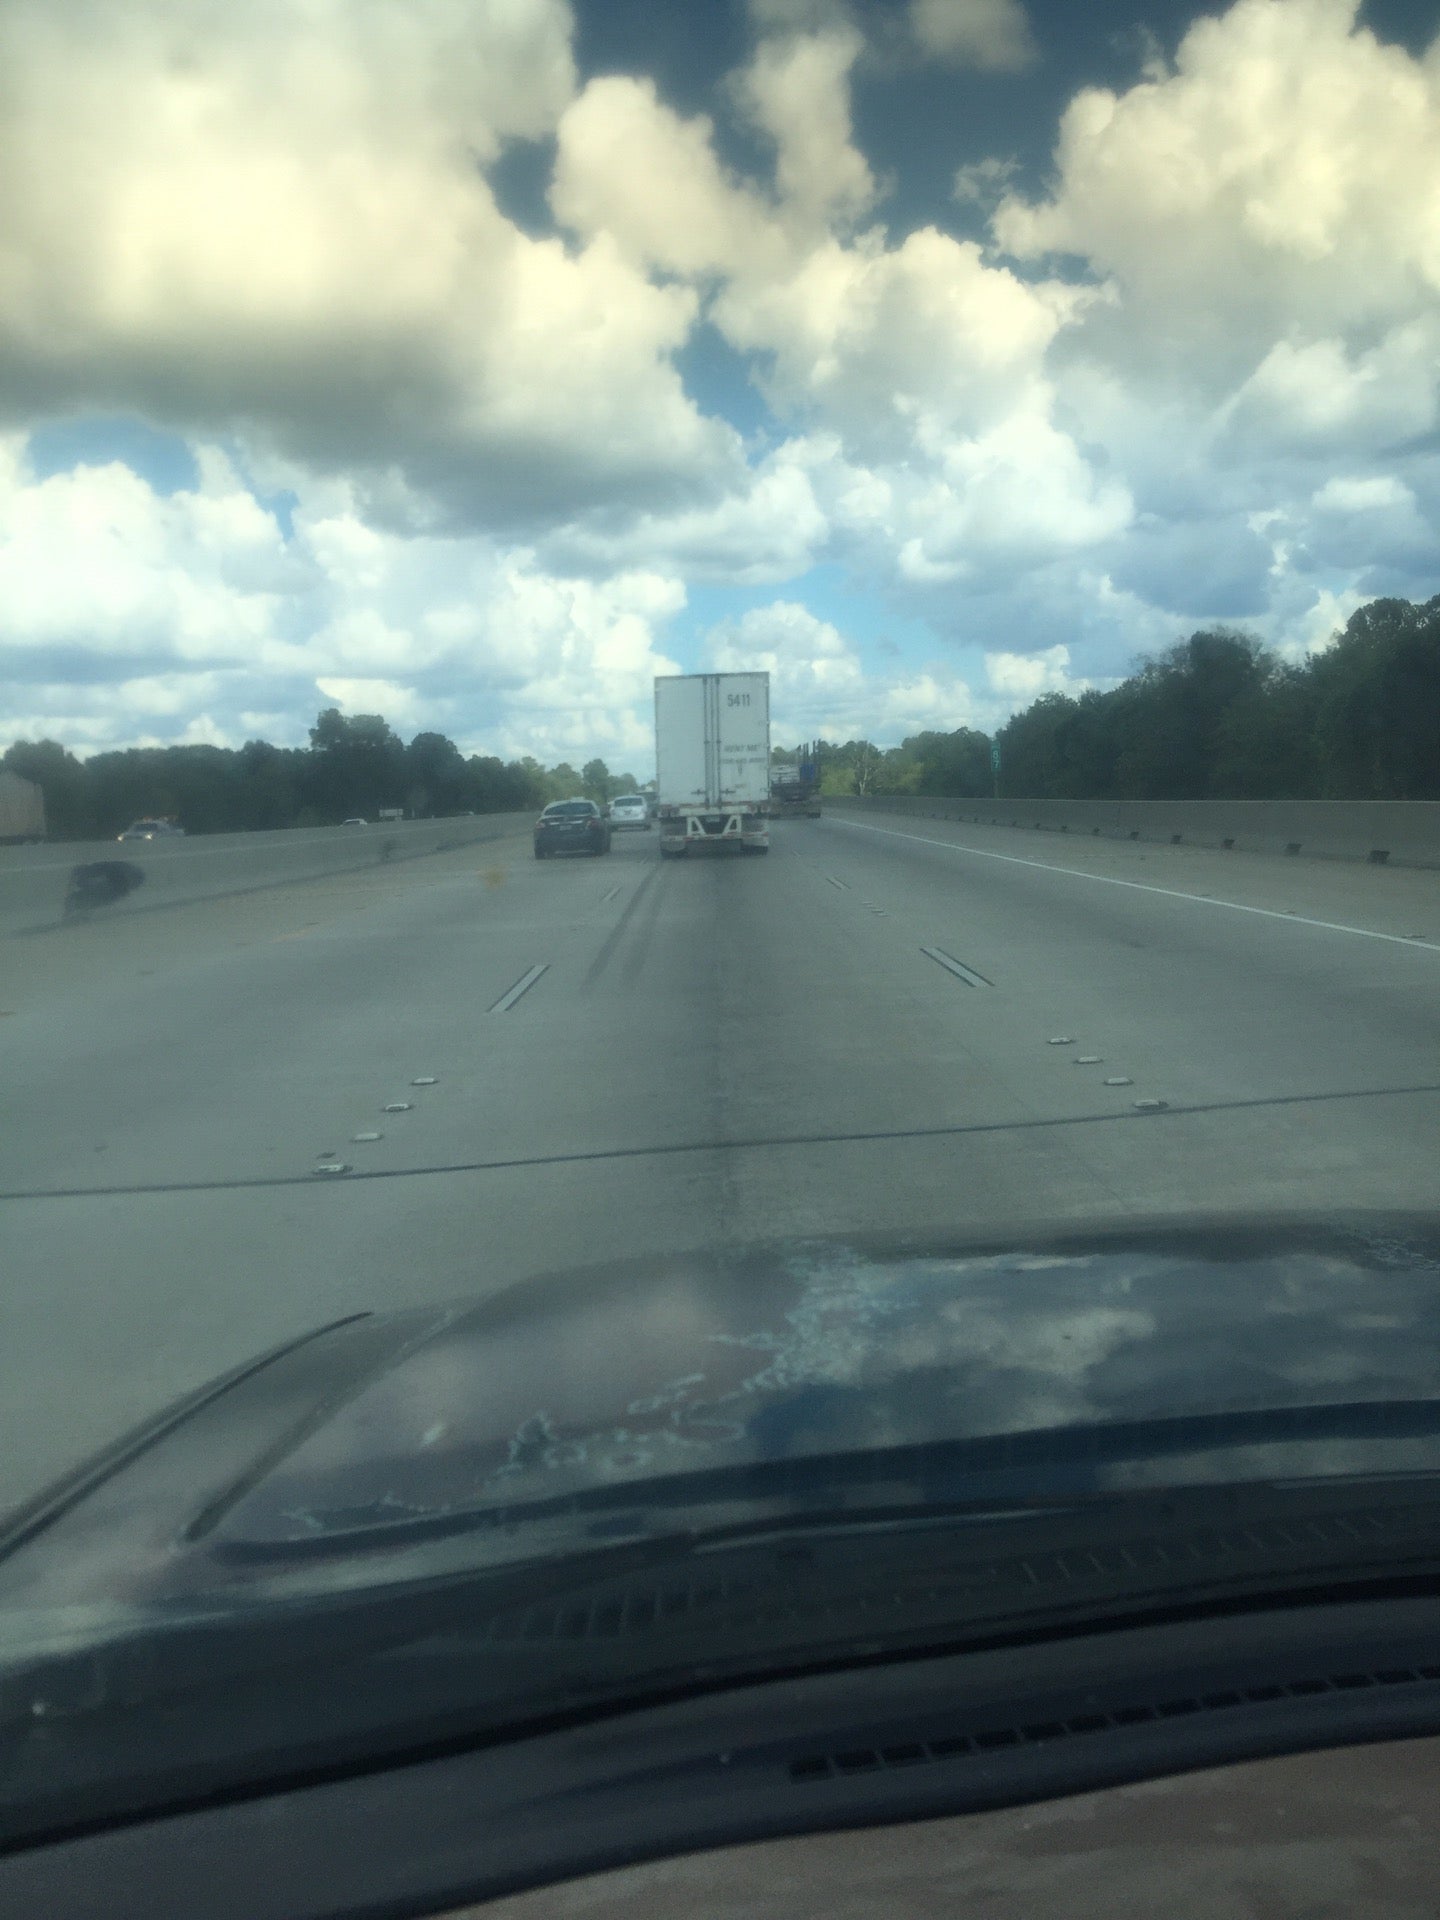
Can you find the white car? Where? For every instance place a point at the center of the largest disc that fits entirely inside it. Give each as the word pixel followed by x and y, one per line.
pixel 629 811
pixel 150 830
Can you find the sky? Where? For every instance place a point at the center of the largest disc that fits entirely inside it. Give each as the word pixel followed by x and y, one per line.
pixel 474 361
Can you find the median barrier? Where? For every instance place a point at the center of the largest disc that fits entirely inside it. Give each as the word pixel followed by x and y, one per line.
pixel 46 886
pixel 1397 833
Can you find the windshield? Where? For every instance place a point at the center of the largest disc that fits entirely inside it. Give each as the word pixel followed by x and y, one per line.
pixel 963 479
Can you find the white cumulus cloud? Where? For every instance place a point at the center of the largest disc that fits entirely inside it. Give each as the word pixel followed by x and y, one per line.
pixel 1197 377
pixel 1282 179
pixel 128 610
pixel 279 215
pixel 1021 678
pixel 991 34
pixel 820 687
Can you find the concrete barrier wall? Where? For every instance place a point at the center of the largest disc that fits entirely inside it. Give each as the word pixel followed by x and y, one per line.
pixel 35 880
pixel 1406 833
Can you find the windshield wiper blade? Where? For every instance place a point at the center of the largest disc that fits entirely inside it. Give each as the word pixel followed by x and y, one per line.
pixel 983 1472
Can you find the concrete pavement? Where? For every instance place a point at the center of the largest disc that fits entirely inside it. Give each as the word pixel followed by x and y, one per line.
pixel 851 1037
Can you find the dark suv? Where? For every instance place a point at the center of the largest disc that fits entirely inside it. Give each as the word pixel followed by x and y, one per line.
pixel 571 826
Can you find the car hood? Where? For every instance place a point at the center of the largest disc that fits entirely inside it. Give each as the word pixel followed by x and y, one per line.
pixel 552 1411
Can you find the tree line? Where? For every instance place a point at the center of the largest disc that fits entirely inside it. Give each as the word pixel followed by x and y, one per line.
pixel 1217 716
pixel 353 767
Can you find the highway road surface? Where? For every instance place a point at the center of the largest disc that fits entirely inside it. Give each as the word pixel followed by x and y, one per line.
pixel 888 1026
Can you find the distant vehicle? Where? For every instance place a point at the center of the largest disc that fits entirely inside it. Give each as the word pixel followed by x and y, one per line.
pixel 157 829
pixel 571 826
pixel 712 759
pixel 795 790
pixel 629 812
pixel 354 821
pixel 22 808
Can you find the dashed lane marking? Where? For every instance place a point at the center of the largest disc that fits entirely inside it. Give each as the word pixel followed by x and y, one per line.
pixel 957 967
pixel 521 986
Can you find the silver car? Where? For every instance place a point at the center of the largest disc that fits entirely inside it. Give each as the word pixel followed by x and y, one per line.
pixel 629 811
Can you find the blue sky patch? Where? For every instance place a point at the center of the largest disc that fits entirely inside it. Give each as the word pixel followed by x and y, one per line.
pixel 162 460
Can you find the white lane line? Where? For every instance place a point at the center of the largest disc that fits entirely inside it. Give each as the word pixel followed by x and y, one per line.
pixel 608 896
pixel 843 885
pixel 1142 886
pixel 522 985
pixel 957 967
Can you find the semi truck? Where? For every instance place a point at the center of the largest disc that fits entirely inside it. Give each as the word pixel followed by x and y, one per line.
pixel 712 761
pixel 22 808
pixel 795 786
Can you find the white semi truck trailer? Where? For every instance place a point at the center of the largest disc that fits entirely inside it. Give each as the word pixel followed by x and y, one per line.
pixel 22 808
pixel 712 761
